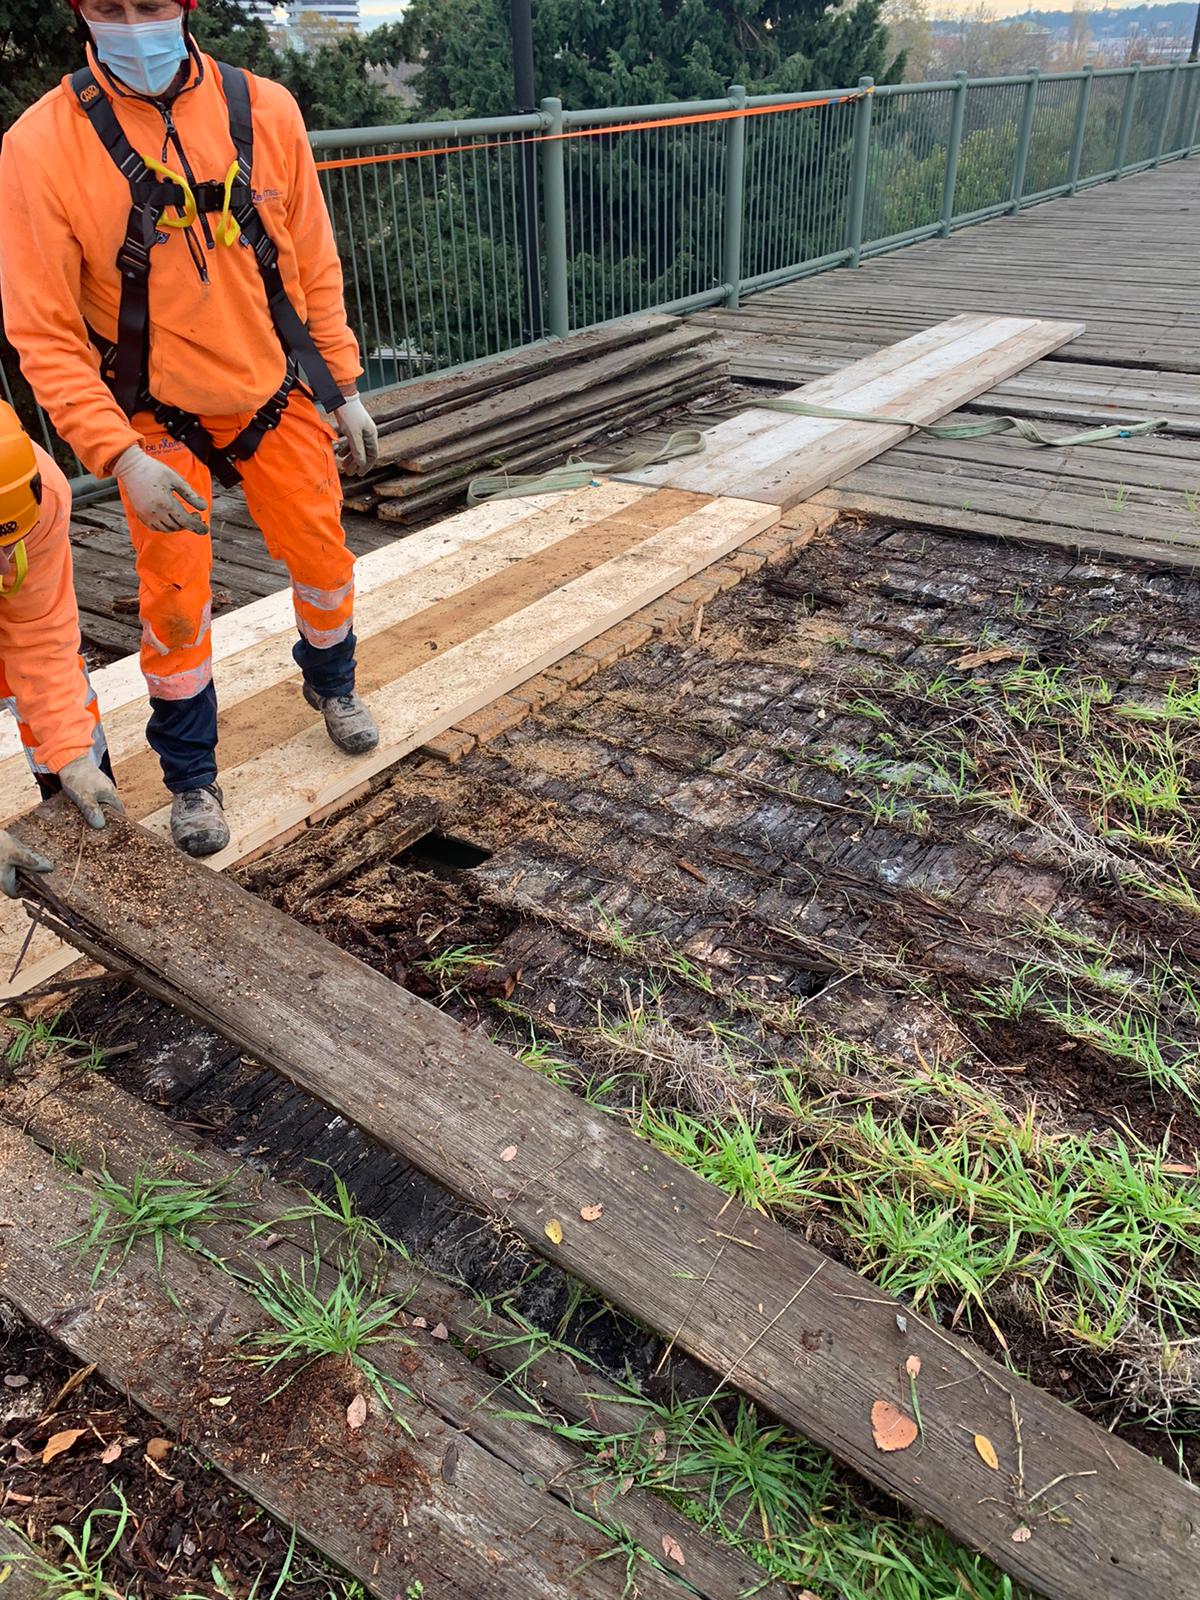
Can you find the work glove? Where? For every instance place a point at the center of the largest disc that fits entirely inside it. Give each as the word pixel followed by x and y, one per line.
pixel 358 448
pixel 159 496
pixel 17 857
pixel 92 791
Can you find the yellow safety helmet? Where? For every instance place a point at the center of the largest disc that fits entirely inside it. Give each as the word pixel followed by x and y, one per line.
pixel 20 479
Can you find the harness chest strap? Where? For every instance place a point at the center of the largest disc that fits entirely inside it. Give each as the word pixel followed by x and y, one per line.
pixel 125 364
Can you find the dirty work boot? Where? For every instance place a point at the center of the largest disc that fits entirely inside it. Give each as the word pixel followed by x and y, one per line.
pixel 348 722
pixel 198 823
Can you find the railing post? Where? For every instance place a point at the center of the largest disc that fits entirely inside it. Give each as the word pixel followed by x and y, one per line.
pixel 735 200
pixel 1131 90
pixel 1194 130
pixel 1164 121
pixel 1081 116
pixel 1024 136
pixel 858 175
pixel 958 111
pixel 554 201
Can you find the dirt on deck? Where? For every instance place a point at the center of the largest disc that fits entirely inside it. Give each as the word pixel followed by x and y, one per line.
pixel 875 900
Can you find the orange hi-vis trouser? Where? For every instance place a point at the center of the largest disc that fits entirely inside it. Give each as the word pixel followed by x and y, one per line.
pixel 294 494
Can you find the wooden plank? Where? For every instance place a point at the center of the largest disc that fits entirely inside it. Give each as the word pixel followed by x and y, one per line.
pixel 122 684
pixel 18 1566
pixel 496 421
pixel 453 1501
pixel 949 519
pixel 533 527
pixel 286 782
pixel 793 458
pixel 107 1130
pixel 812 1341
pixel 426 394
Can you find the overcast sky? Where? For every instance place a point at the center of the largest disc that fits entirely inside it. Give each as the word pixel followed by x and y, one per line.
pixel 376 11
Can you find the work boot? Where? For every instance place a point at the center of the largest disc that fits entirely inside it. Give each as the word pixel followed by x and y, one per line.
pixel 348 721
pixel 198 823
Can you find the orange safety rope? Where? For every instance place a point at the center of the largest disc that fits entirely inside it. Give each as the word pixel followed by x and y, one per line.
pixel 593 133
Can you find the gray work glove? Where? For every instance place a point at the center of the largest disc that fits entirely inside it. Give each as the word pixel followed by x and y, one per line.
pixel 158 495
pixel 17 857
pixel 358 448
pixel 92 791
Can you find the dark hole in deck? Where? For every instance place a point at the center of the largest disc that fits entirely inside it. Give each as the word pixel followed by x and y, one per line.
pixel 443 854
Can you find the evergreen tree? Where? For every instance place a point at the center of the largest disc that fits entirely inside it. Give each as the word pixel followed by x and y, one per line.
pixel 631 52
pixel 37 46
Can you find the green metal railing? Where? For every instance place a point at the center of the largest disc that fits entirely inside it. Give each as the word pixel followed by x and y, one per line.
pixel 461 240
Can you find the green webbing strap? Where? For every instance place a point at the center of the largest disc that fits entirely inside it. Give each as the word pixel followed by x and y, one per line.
pixel 974 430
pixel 578 474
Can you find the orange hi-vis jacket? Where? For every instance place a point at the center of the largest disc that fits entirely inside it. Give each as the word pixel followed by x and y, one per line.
pixel 214 351
pixel 42 675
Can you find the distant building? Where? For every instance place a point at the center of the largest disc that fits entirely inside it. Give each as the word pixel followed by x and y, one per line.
pixel 291 10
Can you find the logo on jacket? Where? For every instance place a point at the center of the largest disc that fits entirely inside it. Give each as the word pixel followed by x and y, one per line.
pixel 261 196
pixel 8 527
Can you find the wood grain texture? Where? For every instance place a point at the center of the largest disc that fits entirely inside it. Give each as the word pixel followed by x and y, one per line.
pixel 107 1130
pixel 451 1500
pixel 812 1341
pixel 284 769
pixel 783 460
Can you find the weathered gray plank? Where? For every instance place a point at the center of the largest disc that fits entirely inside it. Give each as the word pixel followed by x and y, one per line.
pixel 107 1130
pixel 815 1343
pixel 435 1503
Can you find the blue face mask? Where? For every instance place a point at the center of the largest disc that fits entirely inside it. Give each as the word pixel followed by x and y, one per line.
pixel 145 56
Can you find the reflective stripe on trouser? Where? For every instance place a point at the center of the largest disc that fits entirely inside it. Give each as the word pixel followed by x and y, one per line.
pixel 294 494
pixel 29 741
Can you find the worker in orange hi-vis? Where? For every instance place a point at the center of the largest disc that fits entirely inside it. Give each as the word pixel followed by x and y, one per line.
pixel 169 277
pixel 43 679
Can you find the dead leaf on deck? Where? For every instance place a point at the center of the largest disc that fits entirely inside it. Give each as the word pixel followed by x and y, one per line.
pixel 985 658
pixel 592 1213
pixel 673 1550
pixel 111 1453
pixel 158 1449
pixel 987 1452
pixel 509 1153
pixel 1022 1535
pixel 419 1322
pixel 72 1383
pixel 891 1429
pixel 913 1366
pixel 356 1412
pixel 59 1443
pixel 15 1380
pixel 554 1231
pixel 440 1332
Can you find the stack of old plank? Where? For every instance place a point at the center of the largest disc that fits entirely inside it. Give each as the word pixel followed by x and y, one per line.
pixel 530 408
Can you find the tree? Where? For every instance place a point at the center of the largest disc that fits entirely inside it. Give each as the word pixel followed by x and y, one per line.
pixel 630 52
pixel 910 36
pixel 37 46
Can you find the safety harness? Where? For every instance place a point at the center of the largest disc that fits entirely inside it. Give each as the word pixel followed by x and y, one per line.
pixel 154 189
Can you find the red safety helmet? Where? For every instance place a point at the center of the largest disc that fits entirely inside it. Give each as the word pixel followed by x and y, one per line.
pixel 188 5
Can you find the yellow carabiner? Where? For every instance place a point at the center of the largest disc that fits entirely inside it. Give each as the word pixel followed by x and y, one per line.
pixel 21 562
pixel 228 230
pixel 190 212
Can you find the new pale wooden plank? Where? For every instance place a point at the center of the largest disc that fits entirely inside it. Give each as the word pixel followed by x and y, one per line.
pixel 527 527
pixel 799 455
pixel 290 781
pixel 839 388
pixel 815 1343
pixel 287 782
pixel 119 684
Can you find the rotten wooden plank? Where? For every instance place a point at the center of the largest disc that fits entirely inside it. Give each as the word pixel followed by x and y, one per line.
pixel 102 1129
pixel 441 1492
pixel 815 1343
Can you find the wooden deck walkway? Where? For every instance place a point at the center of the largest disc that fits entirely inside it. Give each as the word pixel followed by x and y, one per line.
pixel 1121 258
